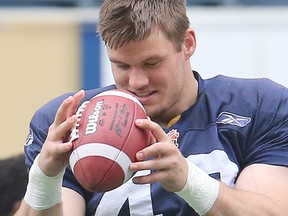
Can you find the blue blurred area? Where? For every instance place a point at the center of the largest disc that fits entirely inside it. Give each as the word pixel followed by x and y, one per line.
pixel 89 3
pixel 91 56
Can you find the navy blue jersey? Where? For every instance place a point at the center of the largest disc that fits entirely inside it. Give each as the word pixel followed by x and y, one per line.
pixel 234 123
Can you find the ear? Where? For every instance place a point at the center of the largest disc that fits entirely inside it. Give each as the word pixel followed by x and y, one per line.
pixel 189 43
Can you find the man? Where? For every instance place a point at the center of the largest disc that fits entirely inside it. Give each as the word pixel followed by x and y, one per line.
pixel 13 182
pixel 230 136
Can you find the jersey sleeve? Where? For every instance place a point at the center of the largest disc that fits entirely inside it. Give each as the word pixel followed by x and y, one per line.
pixel 268 140
pixel 265 139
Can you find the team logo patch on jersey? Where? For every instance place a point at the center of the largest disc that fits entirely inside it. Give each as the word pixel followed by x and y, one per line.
pixel 174 134
pixel 233 119
pixel 29 139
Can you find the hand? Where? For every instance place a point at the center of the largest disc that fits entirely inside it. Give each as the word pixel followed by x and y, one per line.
pixel 164 158
pixel 56 150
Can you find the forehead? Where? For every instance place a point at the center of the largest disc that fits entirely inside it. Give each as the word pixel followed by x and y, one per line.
pixel 156 44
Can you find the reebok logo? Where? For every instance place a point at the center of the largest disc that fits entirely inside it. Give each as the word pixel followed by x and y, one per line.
pixel 233 119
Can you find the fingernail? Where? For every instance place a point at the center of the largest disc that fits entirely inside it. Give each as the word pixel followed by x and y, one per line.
pixel 140 156
pixel 138 121
pixel 72 118
pixel 68 99
pixel 80 91
pixel 133 167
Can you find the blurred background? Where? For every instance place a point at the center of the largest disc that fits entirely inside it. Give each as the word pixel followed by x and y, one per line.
pixel 48 47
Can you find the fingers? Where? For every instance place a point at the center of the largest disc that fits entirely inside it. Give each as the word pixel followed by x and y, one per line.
pixel 76 100
pixel 160 156
pixel 55 142
pixel 60 132
pixel 151 178
pixel 55 150
pixel 68 107
pixel 159 137
pixel 65 117
pixel 155 129
pixel 54 156
pixel 62 114
pixel 159 153
pixel 170 169
pixel 167 163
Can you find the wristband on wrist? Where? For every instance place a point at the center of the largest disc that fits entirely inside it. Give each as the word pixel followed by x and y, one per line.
pixel 43 192
pixel 200 190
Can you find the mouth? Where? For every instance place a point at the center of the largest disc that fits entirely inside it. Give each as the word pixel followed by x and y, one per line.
pixel 143 94
pixel 144 97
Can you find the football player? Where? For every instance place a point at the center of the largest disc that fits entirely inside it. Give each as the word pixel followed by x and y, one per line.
pixel 227 143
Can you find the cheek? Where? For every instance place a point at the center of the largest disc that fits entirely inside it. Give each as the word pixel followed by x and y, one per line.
pixel 120 78
pixel 173 73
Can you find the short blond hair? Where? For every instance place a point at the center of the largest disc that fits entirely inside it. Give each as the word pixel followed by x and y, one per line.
pixel 122 21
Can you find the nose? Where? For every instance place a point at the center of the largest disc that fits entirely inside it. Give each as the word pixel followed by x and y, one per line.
pixel 138 79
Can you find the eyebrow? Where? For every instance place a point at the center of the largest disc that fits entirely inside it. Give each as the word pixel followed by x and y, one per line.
pixel 156 57
pixel 116 61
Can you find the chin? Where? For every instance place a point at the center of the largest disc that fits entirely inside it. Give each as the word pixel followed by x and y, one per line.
pixel 148 111
pixel 152 113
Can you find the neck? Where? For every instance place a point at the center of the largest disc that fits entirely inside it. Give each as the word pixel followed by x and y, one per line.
pixel 187 99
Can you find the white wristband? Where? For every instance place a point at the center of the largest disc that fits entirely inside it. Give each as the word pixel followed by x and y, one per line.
pixel 43 192
pixel 200 190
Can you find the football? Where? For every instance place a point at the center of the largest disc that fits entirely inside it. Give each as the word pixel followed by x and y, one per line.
pixel 105 140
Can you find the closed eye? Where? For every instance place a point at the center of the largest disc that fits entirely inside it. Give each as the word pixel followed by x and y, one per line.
pixel 152 64
pixel 123 66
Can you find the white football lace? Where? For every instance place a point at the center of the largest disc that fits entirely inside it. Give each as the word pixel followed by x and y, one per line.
pixel 74 131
